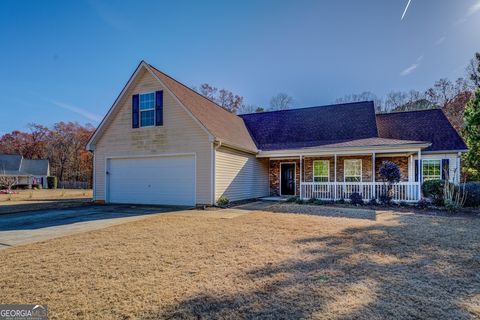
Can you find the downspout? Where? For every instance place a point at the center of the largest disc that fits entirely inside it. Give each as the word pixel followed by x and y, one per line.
pixel 214 150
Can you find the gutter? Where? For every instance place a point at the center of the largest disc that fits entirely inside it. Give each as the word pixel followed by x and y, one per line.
pixel 231 146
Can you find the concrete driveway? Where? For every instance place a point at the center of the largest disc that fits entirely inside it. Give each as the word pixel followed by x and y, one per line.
pixel 27 227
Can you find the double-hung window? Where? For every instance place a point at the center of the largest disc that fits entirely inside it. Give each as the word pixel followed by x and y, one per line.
pixel 431 170
pixel 352 170
pixel 147 109
pixel 321 170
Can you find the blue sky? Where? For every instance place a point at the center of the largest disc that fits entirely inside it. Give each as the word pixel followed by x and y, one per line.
pixel 68 60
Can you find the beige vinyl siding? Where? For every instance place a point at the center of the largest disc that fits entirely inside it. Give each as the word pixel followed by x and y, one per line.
pixel 240 175
pixel 179 134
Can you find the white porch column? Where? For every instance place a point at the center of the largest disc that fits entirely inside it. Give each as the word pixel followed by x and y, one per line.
pixel 459 169
pixel 411 171
pixel 373 176
pixel 419 174
pixel 301 176
pixel 335 177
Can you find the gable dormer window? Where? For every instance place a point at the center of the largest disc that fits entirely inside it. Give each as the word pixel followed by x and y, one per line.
pixel 147 109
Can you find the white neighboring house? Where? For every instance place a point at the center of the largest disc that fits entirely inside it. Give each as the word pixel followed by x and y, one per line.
pixel 28 172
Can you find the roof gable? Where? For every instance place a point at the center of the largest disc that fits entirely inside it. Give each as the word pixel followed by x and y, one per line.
pixel 425 125
pixel 216 121
pixel 222 124
pixel 310 127
pixel 10 162
pixel 13 164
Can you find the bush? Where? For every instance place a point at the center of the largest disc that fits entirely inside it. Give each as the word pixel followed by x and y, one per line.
pixel 373 202
pixel 318 202
pixel 292 199
pixel 356 199
pixel 341 201
pixel 223 201
pixel 433 189
pixel 423 203
pixel 390 172
pixel 52 182
pixel 310 201
pixel 299 201
pixel 385 199
pixel 472 190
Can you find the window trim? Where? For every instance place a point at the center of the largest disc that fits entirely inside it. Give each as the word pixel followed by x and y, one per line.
pixel 423 171
pixel 144 110
pixel 345 171
pixel 328 171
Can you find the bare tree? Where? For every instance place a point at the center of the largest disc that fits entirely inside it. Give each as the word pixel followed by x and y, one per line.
pixel 208 91
pixel 473 70
pixel 247 108
pixel 444 91
pixel 364 96
pixel 229 101
pixel 223 97
pixel 281 101
pixel 7 181
pixel 395 100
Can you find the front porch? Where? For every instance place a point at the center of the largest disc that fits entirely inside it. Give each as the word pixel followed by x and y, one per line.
pixel 336 176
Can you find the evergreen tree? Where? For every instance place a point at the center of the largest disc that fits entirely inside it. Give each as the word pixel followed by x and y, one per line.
pixel 471 134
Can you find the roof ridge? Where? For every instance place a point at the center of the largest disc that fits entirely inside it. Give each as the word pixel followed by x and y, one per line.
pixel 187 87
pixel 410 111
pixel 335 105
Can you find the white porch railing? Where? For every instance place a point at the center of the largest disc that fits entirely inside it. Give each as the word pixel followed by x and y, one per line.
pixel 402 191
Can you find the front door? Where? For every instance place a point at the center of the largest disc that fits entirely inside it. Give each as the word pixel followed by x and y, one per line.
pixel 287 174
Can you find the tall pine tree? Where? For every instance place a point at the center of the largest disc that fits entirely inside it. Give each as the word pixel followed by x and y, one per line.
pixel 471 134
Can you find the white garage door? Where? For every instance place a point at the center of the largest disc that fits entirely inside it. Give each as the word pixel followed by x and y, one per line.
pixel 152 180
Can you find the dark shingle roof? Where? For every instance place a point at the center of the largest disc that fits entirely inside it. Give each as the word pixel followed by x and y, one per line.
pixel 426 125
pixel 11 164
pixel 310 127
pixel 35 167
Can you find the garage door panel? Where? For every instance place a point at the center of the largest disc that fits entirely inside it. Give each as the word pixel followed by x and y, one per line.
pixel 152 180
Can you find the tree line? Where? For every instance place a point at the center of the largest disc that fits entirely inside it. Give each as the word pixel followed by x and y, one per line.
pixel 63 144
pixel 235 103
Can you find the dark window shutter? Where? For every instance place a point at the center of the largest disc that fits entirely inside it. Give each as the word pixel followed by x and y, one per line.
pixel 445 167
pixel 159 108
pixel 416 170
pixel 135 111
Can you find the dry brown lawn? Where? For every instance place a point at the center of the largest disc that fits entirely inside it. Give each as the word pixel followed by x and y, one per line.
pixel 257 265
pixel 45 195
pixel 27 200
